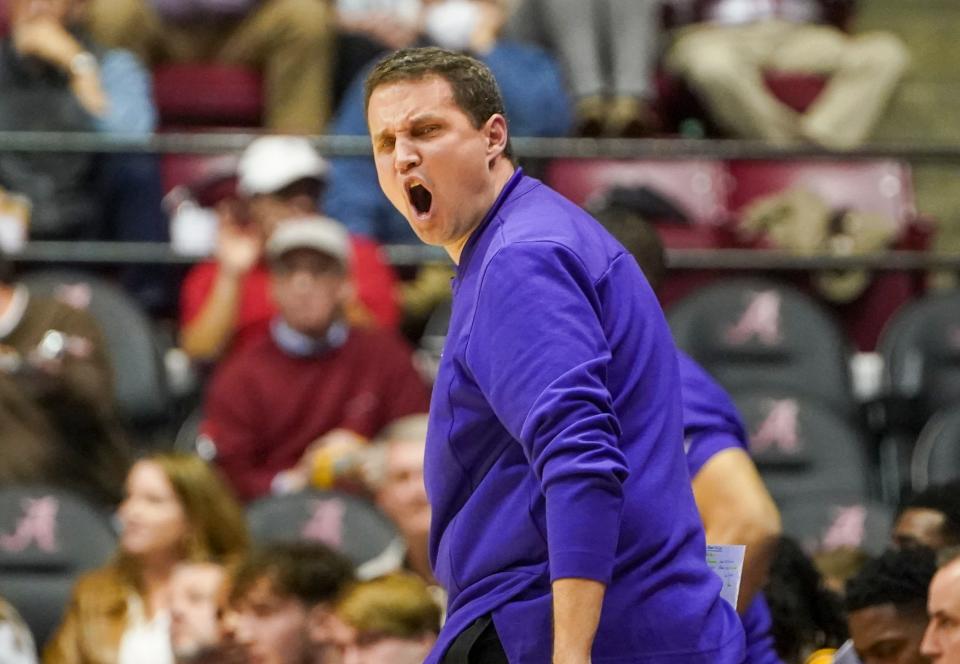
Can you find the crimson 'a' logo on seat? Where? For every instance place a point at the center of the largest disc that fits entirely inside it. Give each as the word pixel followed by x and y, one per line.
pixel 847 529
pixel 326 522
pixel 779 428
pixel 37 524
pixel 760 320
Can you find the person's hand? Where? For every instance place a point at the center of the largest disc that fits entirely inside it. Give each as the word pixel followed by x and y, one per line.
pixel 46 40
pixel 238 248
pixel 336 455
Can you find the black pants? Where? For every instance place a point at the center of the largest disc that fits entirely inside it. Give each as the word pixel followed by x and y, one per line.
pixel 478 644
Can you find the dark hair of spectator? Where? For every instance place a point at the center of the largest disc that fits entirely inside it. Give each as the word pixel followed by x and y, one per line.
pixel 311 572
pixel 640 238
pixel 310 187
pixel 943 498
pixel 806 615
pixel 7 275
pixel 901 578
pixel 475 89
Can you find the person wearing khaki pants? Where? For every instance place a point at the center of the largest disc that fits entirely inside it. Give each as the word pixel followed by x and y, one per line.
pixel 291 41
pixel 724 64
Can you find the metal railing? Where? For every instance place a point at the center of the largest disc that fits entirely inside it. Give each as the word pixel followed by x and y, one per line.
pixel 84 252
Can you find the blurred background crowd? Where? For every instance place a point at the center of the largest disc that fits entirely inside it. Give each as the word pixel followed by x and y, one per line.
pixel 211 450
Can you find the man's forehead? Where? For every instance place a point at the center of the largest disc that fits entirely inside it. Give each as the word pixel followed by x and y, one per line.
pixel 399 102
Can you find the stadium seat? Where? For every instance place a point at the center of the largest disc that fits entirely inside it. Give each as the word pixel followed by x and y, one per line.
pixel 804 451
pixel 47 538
pixel 342 521
pixel 208 95
pixel 753 334
pixel 697 187
pixel 936 456
pixel 829 525
pixel 141 389
pixel 883 187
pixel 921 351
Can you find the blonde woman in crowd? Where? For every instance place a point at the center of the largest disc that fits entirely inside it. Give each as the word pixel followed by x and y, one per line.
pixel 176 509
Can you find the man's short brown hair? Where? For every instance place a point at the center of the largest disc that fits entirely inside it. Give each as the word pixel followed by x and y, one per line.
pixel 311 572
pixel 475 90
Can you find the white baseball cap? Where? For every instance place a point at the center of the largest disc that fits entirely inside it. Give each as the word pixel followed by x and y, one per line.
pixel 315 232
pixel 271 163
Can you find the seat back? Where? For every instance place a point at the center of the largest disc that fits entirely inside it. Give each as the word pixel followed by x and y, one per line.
pixel 921 351
pixel 208 95
pixel 750 333
pixel 696 186
pixel 936 456
pixel 830 525
pixel 141 387
pixel 342 521
pixel 47 538
pixel 803 450
pixel 882 187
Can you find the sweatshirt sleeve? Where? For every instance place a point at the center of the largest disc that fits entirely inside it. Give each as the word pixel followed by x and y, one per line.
pixel 538 352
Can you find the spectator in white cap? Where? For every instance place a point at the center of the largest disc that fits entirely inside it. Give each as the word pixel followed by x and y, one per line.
pixel 315 387
pixel 225 303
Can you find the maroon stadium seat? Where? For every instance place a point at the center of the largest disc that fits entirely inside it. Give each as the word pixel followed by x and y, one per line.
pixel 208 95
pixel 697 186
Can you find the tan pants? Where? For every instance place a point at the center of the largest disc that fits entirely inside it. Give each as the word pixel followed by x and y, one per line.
pixel 291 41
pixel 725 65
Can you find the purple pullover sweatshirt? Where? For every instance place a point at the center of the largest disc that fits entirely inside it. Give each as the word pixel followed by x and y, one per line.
pixel 554 446
pixel 711 424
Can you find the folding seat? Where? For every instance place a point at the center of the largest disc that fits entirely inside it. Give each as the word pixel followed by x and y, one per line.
pixel 47 538
pixel 142 394
pixel 805 452
pixel 755 334
pixel 921 351
pixel 936 456
pixel 342 521
pixel 696 186
pixel 208 95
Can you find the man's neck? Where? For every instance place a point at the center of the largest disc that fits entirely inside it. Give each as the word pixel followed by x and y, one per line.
pixel 503 170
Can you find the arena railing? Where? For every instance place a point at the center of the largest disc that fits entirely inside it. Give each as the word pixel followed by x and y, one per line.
pixel 526 149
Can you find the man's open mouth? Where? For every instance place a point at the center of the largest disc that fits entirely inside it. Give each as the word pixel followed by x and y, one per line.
pixel 420 198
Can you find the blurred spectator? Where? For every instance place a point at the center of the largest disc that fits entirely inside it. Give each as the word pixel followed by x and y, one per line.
pixel 887 606
pixel 282 599
pixel 368 28
pixel 398 488
pixel 931 518
pixel 195 626
pixel 806 616
pixel 730 44
pixel 734 504
pixel 291 41
pixel 226 304
pixel 609 49
pixel 16 642
pixel 393 619
pixel 176 509
pixel 315 382
pixel 941 642
pixel 53 77
pixel 59 424
pixel 530 82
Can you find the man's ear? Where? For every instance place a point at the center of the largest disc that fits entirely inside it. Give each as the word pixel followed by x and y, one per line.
pixel 495 130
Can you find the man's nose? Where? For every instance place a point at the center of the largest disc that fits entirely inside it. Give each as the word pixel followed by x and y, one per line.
pixel 407 156
pixel 928 646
